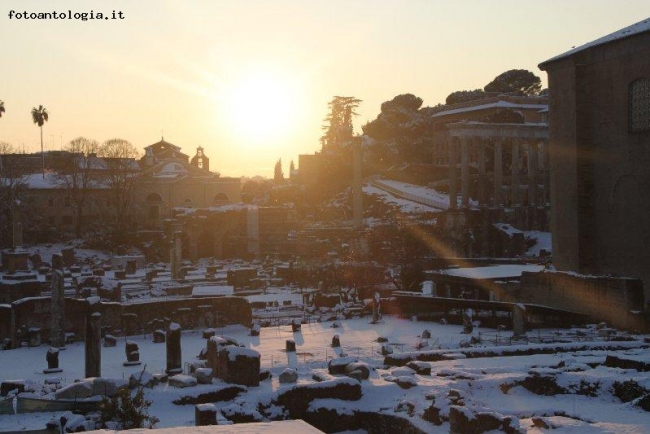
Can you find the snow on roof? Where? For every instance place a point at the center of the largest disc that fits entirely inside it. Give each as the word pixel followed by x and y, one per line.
pixel 37 180
pixel 212 290
pixel 498 104
pixel 634 29
pixel 53 180
pixel 173 168
pixel 493 271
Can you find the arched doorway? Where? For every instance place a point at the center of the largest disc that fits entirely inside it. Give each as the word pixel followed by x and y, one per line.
pixel 220 199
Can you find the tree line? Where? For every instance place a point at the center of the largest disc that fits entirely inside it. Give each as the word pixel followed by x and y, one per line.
pixel 88 174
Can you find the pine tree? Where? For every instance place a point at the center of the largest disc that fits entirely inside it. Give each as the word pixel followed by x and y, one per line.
pixel 125 412
pixel 278 176
pixel 339 129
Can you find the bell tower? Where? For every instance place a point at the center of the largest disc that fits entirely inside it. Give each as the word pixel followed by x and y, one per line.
pixel 200 160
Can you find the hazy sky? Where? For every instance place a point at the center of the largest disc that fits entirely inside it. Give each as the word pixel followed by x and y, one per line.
pixel 250 80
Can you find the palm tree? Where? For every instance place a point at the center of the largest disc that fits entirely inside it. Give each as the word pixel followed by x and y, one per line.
pixel 40 116
pixel 2 108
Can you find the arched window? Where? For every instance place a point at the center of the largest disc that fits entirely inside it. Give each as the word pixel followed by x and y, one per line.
pixel 639 101
pixel 154 203
pixel 220 198
pixel 154 197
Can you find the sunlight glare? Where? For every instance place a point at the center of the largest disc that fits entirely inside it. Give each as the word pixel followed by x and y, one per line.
pixel 262 106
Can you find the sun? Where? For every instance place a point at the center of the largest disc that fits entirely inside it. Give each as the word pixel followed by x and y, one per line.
pixel 262 106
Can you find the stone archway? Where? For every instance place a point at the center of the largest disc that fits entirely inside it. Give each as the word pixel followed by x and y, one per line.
pixel 213 234
pixel 220 199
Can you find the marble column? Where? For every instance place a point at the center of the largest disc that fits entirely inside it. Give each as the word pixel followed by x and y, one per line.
pixel 57 308
pixel 498 173
pixel 482 178
pixel 175 247
pixel 464 171
pixel 93 344
pixel 172 256
pixel 16 224
pixel 532 173
pixel 518 320
pixel 453 173
pixel 174 356
pixel 514 175
pixel 547 174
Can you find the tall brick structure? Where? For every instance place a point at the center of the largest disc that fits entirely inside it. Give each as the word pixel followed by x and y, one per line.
pixel 600 154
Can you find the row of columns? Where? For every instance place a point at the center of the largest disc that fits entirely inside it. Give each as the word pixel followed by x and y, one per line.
pixel 462 143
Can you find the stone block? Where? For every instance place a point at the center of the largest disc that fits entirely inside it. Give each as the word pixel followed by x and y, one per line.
pixel 182 381
pixel 159 336
pixel 337 366
pixel 288 376
pixel 203 375
pixel 205 414
pixel 238 365
pixel 79 390
pixel 10 385
pixel 362 368
pixel 208 333
pixel 110 341
pixel 420 368
pixel 108 386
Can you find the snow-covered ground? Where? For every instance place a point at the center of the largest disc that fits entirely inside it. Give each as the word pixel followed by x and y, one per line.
pixel 424 199
pixel 485 384
pixel 542 241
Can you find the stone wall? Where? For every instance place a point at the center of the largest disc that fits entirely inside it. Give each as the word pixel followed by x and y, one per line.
pixel 35 312
pixel 610 299
pixel 472 233
pixel 10 292
pixel 5 321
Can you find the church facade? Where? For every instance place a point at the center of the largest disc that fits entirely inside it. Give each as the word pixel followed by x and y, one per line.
pixel 169 179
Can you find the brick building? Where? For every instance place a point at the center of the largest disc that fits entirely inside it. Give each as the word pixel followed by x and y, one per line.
pixel 599 155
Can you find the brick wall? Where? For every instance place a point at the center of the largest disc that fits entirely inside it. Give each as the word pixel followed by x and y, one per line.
pixel 609 298
pixel 35 312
